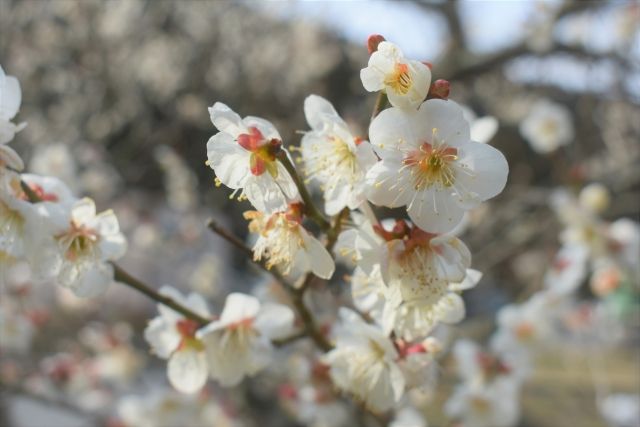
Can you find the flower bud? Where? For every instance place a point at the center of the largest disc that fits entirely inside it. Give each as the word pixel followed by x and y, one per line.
pixel 439 89
pixel 373 41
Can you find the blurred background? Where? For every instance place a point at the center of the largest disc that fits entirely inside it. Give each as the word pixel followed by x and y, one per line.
pixel 115 94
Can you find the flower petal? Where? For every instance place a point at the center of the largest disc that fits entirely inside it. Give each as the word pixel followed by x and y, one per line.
pixel 485 172
pixel 187 370
pixel 226 120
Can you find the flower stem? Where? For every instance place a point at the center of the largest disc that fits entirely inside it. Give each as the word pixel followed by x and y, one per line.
pixel 310 208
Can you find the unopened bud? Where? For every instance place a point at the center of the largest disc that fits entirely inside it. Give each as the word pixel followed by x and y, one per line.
pixel 439 89
pixel 373 41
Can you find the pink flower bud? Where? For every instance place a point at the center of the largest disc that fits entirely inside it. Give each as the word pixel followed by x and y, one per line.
pixel 439 89
pixel 373 41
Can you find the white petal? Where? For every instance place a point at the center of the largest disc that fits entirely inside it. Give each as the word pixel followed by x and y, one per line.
pixel 483 129
pixel 446 119
pixel 471 280
pixel 228 159
pixel 388 186
pixel 265 127
pixel 372 79
pixel 321 262
pixel 450 309
pixel 265 194
pixel 435 211
pixel 162 336
pixel 365 156
pixel 226 120
pixel 318 111
pixel 94 281
pixel 106 223
pixel 274 320
pixel 83 211
pixel 238 307
pixel 488 170
pixel 9 157
pixel 113 247
pixel 394 131
pixel 10 98
pixel 187 370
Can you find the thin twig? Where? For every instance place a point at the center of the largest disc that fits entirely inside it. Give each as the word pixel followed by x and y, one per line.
pixel 235 241
pixel 120 275
pixel 309 207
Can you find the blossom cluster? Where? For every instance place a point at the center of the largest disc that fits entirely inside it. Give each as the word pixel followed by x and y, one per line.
pixel 393 206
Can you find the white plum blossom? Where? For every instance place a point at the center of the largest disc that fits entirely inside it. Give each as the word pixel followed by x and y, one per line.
pixel 243 156
pixel 10 99
pixel 407 279
pixel 24 226
pixel 493 405
pixel 568 270
pixel 417 317
pixel 238 344
pixel 547 127
pixel 334 157
pixel 284 243
pixel 86 242
pixel 406 82
pixel 430 165
pixel 16 331
pixel 172 337
pixel 361 244
pixel 363 363
pixel 525 326
pixel 476 365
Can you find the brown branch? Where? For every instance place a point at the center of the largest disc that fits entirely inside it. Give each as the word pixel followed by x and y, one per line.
pixel 235 241
pixel 310 208
pixel 121 276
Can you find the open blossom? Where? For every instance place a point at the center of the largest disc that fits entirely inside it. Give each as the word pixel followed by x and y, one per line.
pixel 85 243
pixel 243 156
pixel 10 99
pixel 414 318
pixel 568 270
pixel 525 326
pixel 285 243
pixel 476 365
pixel 334 157
pixel 547 127
pixel 172 337
pixel 430 165
pixel 24 226
pixel 363 363
pixel 406 82
pixel 239 343
pixel 479 405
